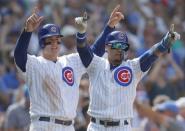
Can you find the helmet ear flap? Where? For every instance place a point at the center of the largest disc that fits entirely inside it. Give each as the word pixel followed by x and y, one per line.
pixel 41 43
pixel 126 49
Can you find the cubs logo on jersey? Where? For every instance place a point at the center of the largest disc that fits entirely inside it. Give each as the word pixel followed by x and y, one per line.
pixel 123 76
pixel 68 75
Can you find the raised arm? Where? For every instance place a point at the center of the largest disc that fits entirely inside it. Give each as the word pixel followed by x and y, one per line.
pixel 98 46
pixel 85 52
pixel 20 53
pixel 158 49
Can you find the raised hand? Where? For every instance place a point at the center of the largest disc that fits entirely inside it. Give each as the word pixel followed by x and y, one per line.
pixel 33 21
pixel 115 17
pixel 172 34
pixel 81 23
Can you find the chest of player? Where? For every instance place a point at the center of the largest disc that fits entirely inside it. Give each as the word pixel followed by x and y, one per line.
pixel 58 72
pixel 119 79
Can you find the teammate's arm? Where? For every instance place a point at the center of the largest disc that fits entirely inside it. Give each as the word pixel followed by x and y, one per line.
pixel 158 49
pixel 20 53
pixel 99 45
pixel 85 52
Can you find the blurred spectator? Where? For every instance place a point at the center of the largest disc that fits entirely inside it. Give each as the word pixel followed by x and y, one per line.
pixel 69 43
pixel 5 96
pixel 181 104
pixel 17 115
pixel 82 118
pixel 160 82
pixel 160 99
pixel 164 115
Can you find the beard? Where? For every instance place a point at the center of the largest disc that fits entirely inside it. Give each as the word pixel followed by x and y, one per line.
pixel 118 60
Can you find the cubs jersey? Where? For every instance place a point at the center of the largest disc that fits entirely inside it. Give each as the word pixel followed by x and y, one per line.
pixel 112 92
pixel 53 86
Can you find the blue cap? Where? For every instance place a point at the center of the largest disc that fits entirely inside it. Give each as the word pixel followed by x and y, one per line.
pixel 168 106
pixel 116 36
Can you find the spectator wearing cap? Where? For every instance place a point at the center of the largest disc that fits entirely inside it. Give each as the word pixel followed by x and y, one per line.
pixel 69 43
pixel 181 104
pixel 163 114
pixel 160 99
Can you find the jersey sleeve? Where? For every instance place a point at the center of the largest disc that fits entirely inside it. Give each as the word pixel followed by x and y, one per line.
pixel 31 63
pixel 139 74
pixel 30 66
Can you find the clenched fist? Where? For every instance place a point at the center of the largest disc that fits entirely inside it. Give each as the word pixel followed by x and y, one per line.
pixel 81 23
pixel 172 34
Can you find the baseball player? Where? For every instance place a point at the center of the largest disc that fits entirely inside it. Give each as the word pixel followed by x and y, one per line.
pixel 53 80
pixel 113 81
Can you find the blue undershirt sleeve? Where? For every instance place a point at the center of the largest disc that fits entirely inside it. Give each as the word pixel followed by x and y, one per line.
pixel 146 60
pixel 150 56
pixel 98 46
pixel 85 52
pixel 20 53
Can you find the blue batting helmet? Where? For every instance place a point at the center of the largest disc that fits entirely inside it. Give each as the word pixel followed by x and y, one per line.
pixel 117 37
pixel 47 31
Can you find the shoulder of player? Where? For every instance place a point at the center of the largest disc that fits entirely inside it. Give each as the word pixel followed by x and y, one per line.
pixel 133 62
pixel 69 56
pixel 100 58
pixel 73 58
pixel 34 57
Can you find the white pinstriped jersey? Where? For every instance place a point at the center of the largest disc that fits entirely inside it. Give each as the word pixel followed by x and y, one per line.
pixel 112 93
pixel 53 87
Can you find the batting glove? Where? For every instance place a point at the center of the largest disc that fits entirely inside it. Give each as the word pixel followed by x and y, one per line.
pixel 172 34
pixel 81 23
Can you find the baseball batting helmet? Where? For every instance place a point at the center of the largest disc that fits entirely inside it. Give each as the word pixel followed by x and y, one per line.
pixel 47 31
pixel 117 39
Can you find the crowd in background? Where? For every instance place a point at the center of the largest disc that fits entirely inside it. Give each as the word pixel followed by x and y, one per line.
pixel 146 22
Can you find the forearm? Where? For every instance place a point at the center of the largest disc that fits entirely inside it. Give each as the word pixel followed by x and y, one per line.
pixel 85 53
pixel 98 46
pixel 148 112
pixel 20 53
pixel 162 47
pixel 149 57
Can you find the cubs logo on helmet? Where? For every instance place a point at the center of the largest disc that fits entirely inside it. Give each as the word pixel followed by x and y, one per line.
pixel 123 76
pixel 68 75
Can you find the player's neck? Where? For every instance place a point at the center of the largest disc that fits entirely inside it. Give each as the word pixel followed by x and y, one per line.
pixel 51 58
pixel 114 62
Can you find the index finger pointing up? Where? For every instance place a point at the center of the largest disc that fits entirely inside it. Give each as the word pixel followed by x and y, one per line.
pixel 172 28
pixel 116 9
pixel 35 10
pixel 85 15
